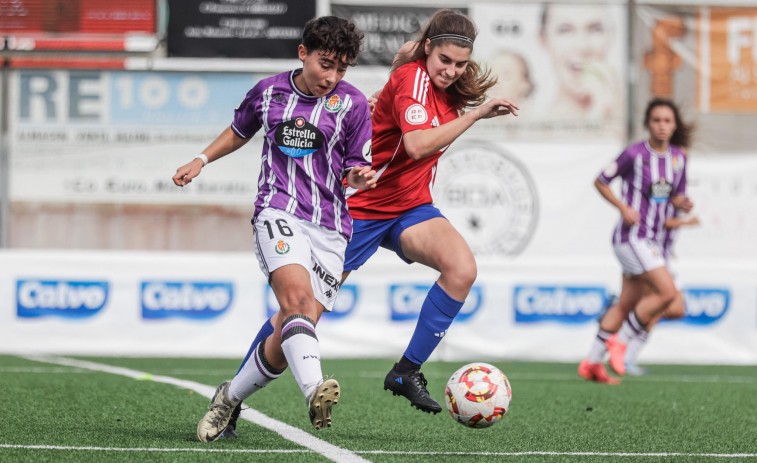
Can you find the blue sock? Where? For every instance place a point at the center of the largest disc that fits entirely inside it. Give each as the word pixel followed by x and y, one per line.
pixel 265 331
pixel 437 313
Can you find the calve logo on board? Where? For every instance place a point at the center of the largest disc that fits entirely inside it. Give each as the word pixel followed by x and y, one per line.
pixel 704 306
pixel 185 299
pixel 60 298
pixel 563 304
pixel 344 305
pixel 406 300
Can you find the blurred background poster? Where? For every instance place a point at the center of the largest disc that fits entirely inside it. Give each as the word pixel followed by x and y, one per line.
pixel 385 29
pixel 562 64
pixel 266 29
pixel 703 58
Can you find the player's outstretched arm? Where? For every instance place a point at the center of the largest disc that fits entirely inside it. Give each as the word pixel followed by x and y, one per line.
pixel 425 142
pixel 362 178
pixel 224 144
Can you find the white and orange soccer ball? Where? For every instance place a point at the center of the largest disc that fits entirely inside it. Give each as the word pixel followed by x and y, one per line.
pixel 478 395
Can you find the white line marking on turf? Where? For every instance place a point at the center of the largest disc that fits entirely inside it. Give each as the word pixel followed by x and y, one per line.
pixel 578 454
pixel 286 431
pixel 388 452
pixel 150 449
pixel 42 370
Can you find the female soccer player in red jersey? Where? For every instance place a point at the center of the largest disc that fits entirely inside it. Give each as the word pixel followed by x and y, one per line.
pixel 419 113
pixel 654 176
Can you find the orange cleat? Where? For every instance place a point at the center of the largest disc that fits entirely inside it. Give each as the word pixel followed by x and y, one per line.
pixel 596 372
pixel 617 352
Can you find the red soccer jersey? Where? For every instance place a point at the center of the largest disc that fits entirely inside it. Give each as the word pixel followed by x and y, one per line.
pixel 408 102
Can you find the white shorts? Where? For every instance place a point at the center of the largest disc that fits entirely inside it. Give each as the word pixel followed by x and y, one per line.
pixel 673 273
pixel 639 256
pixel 282 239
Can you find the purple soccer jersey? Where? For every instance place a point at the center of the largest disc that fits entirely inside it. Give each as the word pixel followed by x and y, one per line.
pixel 650 180
pixel 668 235
pixel 310 145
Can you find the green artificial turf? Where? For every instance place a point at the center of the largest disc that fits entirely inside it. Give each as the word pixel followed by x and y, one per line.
pixel 676 413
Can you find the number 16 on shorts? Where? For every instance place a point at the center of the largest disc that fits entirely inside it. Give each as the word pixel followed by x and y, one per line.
pixel 279 241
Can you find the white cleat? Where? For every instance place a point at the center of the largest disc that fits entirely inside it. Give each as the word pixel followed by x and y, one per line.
pixel 325 396
pixel 214 423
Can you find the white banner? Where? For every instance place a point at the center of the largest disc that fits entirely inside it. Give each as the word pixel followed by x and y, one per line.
pixel 119 136
pixel 213 304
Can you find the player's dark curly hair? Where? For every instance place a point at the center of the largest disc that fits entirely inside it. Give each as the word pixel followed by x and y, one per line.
pixel 683 133
pixel 470 89
pixel 331 34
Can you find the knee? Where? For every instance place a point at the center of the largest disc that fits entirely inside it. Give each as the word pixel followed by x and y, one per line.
pixel 296 302
pixel 668 296
pixel 462 274
pixel 677 308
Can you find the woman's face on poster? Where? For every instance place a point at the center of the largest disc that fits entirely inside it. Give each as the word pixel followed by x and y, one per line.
pixel 577 38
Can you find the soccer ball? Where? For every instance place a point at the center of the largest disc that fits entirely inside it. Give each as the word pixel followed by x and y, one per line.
pixel 478 395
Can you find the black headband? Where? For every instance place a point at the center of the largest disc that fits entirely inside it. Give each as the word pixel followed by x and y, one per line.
pixel 452 36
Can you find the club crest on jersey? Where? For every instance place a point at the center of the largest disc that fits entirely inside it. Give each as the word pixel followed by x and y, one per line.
pixel 297 138
pixel 677 163
pixel 415 114
pixel 333 104
pixel 282 247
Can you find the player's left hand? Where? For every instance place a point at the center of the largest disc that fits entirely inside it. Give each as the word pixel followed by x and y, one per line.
pixel 362 178
pixel 497 107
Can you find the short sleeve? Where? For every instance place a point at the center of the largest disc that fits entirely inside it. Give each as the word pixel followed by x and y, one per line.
pixel 617 168
pixel 246 116
pixel 411 89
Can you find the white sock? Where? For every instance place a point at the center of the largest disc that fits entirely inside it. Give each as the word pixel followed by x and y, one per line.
pixel 301 349
pixel 630 329
pixel 634 347
pixel 255 374
pixel 598 348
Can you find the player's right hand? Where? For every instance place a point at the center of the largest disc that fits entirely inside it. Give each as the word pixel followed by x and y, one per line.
pixel 630 215
pixel 187 172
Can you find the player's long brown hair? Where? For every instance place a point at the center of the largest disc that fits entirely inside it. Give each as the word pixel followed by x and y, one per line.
pixel 470 89
pixel 683 133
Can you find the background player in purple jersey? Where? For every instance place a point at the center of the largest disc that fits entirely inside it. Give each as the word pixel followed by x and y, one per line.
pixel 317 133
pixel 675 309
pixel 653 173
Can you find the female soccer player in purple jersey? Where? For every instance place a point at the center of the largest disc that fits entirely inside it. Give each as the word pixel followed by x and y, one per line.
pixel 675 309
pixel 448 81
pixel 653 173
pixel 317 131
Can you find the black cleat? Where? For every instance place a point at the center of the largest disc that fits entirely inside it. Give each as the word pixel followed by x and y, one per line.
pixel 411 385
pixel 231 428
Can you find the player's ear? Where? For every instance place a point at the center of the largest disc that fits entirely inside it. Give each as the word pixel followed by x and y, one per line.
pixel 302 52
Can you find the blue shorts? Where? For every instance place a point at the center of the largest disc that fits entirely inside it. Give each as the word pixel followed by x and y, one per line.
pixel 368 235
